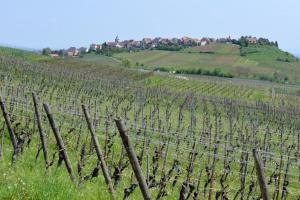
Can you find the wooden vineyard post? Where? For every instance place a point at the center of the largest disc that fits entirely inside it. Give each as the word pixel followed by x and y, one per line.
pixel 41 131
pixel 60 143
pixel 133 159
pixel 12 135
pixel 260 176
pixel 1 141
pixel 99 152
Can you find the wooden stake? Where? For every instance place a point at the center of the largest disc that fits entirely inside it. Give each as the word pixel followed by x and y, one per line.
pixel 260 176
pixel 2 141
pixel 133 159
pixel 12 135
pixel 41 131
pixel 99 152
pixel 60 143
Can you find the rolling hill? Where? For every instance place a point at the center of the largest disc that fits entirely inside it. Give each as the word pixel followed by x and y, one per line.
pixel 253 62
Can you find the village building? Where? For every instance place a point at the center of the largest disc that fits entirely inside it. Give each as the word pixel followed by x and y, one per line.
pixel 175 41
pixel 204 41
pixel 186 40
pixel 94 47
pixel 125 43
pixel 157 39
pixel 224 40
pixel 165 41
pixel 190 41
pixel 117 42
pixel 196 41
pixel 136 44
pixel 119 45
pixel 72 52
pixel 251 40
pixel 83 50
pixel 146 41
pixel 211 40
pixel 221 40
pixel 54 55
pixel 111 44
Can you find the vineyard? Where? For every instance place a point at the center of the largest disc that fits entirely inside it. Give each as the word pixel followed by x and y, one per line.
pixel 250 63
pixel 79 130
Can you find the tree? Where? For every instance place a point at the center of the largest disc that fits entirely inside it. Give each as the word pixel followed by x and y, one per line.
pixel 243 41
pixel 99 51
pixel 46 51
pixel 104 45
pixel 61 53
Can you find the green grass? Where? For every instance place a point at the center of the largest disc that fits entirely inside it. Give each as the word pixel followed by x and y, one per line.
pixel 28 179
pixel 266 57
pixel 152 59
pixel 224 49
pixel 100 59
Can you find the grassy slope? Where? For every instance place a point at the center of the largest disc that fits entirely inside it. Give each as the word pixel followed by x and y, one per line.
pixel 176 60
pixel 27 55
pixel 99 59
pixel 222 56
pixel 266 58
pixel 227 49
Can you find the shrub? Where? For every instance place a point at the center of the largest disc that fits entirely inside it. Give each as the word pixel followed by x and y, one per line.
pixel 215 72
pixel 126 63
pixel 169 47
pixel 46 51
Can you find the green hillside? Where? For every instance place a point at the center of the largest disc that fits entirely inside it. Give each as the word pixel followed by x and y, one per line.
pixel 253 62
pixel 216 48
pixel 100 59
pixel 18 53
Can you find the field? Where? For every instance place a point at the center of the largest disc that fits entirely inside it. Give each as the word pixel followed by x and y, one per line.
pixel 99 59
pixel 193 135
pixel 258 60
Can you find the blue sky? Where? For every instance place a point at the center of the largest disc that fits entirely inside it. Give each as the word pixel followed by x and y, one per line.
pixel 64 23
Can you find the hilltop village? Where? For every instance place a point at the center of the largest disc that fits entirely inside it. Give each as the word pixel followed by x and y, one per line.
pixel 158 43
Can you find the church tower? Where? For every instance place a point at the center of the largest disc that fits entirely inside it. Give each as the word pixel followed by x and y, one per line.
pixel 117 39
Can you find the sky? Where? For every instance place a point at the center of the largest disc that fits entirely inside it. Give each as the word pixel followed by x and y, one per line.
pixel 64 23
